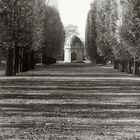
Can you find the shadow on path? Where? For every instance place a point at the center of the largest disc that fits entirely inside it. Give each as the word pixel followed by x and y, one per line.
pixel 70 102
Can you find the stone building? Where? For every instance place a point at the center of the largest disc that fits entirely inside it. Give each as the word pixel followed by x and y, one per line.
pixel 73 50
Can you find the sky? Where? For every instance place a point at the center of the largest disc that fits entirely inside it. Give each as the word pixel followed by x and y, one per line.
pixel 74 12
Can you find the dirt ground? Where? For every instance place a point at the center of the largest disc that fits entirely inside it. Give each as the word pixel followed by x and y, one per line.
pixel 70 102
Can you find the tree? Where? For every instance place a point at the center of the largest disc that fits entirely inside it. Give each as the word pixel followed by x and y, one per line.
pixel 106 27
pixel 21 18
pixel 117 27
pixel 54 36
pixel 130 30
pixel 101 29
pixel 71 30
pixel 91 34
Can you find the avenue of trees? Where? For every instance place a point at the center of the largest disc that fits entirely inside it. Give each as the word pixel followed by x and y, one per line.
pixel 29 28
pixel 113 32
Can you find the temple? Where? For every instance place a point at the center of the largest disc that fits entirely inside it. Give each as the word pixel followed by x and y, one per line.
pixel 74 50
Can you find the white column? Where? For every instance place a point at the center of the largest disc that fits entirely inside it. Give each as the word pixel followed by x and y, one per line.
pixel 67 56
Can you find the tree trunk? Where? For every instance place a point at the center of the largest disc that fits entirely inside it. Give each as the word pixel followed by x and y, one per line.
pixel 16 61
pixel 44 57
pixel 10 64
pixel 115 64
pixel 125 65
pixel 25 65
pixel 119 65
pixel 95 60
pixel 21 60
pixel 136 67
pixel 129 67
pixel 122 66
pixel 32 60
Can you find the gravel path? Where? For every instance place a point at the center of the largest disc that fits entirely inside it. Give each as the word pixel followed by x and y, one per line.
pixel 70 102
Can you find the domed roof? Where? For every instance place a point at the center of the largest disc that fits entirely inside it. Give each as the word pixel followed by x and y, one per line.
pixel 73 40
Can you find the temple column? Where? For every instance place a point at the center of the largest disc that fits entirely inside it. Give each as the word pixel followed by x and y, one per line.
pixel 67 54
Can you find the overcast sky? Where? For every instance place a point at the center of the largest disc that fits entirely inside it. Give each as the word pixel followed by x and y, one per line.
pixel 74 12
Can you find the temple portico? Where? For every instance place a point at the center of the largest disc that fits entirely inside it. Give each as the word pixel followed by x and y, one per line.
pixel 74 50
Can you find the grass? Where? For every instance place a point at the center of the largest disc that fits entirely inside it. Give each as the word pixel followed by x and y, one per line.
pixel 70 102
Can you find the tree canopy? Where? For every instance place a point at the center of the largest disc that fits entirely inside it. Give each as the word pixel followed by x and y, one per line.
pixel 54 35
pixel 116 29
pixel 27 25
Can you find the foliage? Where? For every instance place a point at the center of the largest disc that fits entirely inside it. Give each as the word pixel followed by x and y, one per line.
pixel 101 28
pixel 38 23
pixel 106 27
pixel 21 18
pixel 54 35
pixel 70 30
pixel 91 34
pixel 117 27
pixel 130 29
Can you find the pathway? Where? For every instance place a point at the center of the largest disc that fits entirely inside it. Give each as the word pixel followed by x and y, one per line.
pixel 70 102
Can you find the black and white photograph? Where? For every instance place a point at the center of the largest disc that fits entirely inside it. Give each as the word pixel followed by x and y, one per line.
pixel 69 69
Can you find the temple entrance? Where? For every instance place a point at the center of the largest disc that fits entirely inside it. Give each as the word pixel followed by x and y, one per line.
pixel 74 50
pixel 73 56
